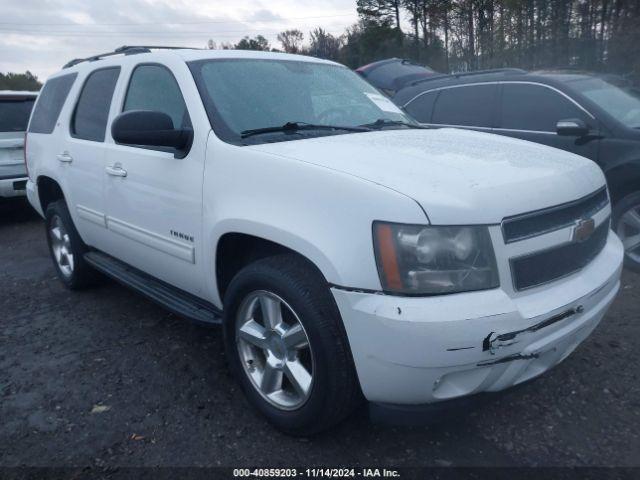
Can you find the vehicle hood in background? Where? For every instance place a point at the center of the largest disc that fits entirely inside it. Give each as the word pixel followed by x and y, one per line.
pixel 457 176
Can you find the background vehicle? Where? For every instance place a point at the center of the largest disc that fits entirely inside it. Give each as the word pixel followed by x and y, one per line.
pixel 15 108
pixel 584 114
pixel 346 251
pixel 392 74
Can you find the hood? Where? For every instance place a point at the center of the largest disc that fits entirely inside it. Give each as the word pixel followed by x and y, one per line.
pixel 457 176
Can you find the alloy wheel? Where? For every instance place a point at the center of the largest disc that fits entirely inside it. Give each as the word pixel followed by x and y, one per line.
pixel 61 246
pixel 629 232
pixel 274 349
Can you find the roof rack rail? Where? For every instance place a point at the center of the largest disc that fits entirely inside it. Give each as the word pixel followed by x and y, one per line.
pixel 124 50
pixel 466 74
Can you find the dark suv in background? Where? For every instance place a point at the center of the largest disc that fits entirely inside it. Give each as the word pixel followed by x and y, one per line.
pixel 589 115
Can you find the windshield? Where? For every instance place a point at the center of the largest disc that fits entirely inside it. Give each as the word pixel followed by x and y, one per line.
pixel 14 114
pixel 248 94
pixel 622 104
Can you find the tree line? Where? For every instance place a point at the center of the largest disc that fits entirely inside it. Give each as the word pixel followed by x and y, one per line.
pixel 19 81
pixel 463 35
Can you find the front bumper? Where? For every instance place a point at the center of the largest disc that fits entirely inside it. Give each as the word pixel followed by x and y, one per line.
pixel 414 351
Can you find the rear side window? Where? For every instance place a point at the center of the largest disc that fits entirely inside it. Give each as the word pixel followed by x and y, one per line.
pixel 153 87
pixel 535 108
pixel 422 107
pixel 92 110
pixel 466 106
pixel 50 102
pixel 14 114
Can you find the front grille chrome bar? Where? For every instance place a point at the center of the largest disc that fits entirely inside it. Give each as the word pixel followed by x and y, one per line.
pixel 539 222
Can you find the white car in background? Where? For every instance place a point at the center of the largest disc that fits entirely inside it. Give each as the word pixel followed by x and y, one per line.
pixel 15 108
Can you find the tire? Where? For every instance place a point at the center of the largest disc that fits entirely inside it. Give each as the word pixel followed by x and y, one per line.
pixel 334 390
pixel 67 248
pixel 626 228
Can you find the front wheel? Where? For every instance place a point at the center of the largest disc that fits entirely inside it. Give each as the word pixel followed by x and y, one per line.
pixel 287 347
pixel 626 223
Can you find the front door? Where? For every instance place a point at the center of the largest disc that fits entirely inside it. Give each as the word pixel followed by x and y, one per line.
pixel 154 200
pixel 531 112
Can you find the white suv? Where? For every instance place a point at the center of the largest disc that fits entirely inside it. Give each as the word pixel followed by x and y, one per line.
pixel 15 108
pixel 346 251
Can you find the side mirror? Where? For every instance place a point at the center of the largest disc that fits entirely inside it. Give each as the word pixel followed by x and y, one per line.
pixel 572 127
pixel 149 128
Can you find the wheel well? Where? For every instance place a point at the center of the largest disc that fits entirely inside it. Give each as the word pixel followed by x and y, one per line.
pixel 237 250
pixel 48 191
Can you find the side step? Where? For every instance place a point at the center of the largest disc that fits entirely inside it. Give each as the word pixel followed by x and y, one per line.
pixel 172 298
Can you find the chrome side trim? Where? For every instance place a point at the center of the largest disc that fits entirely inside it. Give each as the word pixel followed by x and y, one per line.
pixel 164 244
pixel 550 88
pixel 506 82
pixel 92 216
pixel 448 87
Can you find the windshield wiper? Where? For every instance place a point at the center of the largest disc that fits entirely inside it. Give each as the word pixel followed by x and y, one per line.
pixel 383 122
pixel 297 126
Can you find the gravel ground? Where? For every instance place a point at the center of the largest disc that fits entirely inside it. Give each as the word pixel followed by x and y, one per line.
pixel 105 377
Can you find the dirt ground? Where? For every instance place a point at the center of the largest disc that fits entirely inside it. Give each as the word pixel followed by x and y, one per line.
pixel 105 377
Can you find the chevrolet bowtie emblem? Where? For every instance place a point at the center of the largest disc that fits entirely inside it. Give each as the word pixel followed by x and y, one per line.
pixel 583 230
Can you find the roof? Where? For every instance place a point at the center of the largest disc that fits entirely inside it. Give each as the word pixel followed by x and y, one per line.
pixel 392 74
pixel 191 54
pixel 17 93
pixel 559 80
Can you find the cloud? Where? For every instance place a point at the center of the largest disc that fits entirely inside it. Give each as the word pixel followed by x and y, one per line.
pixel 265 16
pixel 42 35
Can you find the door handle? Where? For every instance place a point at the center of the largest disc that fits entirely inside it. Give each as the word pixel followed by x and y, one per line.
pixel 64 157
pixel 116 170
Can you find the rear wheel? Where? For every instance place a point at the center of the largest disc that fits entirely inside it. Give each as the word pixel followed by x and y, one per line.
pixel 67 248
pixel 287 347
pixel 626 223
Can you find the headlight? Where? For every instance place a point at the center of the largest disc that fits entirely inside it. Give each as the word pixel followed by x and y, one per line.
pixel 427 260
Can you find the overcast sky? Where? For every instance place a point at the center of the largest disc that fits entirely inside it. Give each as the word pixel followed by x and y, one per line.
pixel 42 35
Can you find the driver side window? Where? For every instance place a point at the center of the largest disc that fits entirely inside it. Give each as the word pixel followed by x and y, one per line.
pixel 153 87
pixel 535 108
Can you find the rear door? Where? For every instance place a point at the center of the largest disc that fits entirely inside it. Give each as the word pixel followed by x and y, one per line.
pixel 154 200
pixel 83 156
pixel 468 106
pixel 531 111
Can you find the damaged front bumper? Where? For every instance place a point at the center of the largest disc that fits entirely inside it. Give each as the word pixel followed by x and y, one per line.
pixel 412 351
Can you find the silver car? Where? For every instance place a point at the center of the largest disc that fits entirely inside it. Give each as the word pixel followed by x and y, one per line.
pixel 15 108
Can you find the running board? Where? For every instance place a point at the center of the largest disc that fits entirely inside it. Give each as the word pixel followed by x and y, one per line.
pixel 172 298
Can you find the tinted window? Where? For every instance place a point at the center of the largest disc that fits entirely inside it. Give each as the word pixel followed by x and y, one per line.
pixel 469 106
pixel 14 114
pixel 92 110
pixel 422 107
pixel 622 104
pixel 533 107
pixel 153 87
pixel 50 102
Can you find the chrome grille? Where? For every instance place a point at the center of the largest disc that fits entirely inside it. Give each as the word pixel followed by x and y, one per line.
pixel 548 220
